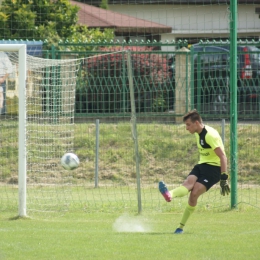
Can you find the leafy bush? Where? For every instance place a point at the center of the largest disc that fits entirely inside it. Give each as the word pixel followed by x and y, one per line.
pixel 104 81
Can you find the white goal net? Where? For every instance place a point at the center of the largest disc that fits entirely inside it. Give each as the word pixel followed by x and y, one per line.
pixel 37 128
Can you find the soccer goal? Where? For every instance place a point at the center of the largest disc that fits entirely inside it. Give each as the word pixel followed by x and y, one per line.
pixel 38 121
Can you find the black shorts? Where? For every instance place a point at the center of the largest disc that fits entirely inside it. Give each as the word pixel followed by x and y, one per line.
pixel 207 174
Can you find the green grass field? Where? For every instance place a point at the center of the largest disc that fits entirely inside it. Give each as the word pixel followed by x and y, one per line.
pixel 70 219
pixel 209 235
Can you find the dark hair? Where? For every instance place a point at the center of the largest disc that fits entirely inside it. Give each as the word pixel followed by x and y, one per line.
pixel 193 115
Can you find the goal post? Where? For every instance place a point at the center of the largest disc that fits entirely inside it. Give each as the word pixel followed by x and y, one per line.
pixel 22 131
pixel 134 129
pixel 21 49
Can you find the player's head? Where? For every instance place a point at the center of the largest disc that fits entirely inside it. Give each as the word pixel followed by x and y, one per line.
pixel 193 115
pixel 193 121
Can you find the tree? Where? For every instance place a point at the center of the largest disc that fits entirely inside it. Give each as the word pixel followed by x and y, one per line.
pixel 104 4
pixel 51 20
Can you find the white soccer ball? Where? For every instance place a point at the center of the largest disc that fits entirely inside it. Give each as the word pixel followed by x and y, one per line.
pixel 70 161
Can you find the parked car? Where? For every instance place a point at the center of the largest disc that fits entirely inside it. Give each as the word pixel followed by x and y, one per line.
pixel 211 74
pixel 248 60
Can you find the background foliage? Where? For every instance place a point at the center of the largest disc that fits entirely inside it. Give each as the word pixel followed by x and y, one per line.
pixel 50 21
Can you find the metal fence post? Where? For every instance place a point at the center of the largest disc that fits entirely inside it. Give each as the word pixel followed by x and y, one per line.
pixel 97 153
pixel 233 101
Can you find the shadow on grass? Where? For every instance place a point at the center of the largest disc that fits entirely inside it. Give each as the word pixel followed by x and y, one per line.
pixel 19 217
pixel 149 233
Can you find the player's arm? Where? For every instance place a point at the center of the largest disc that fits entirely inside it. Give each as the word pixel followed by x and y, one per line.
pixel 3 79
pixel 8 68
pixel 224 187
pixel 223 159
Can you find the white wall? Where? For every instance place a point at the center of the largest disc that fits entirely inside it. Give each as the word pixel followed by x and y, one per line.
pixel 194 20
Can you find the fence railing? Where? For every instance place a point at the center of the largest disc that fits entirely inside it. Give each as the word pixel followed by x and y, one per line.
pixel 202 82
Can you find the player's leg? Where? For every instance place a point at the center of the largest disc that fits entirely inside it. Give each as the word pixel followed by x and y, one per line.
pixel 207 177
pixel 197 190
pixel 181 190
pixel 1 98
pixel 177 192
pixel 186 186
pixel 3 108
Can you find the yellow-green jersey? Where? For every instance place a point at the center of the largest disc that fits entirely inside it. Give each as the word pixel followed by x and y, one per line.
pixel 207 141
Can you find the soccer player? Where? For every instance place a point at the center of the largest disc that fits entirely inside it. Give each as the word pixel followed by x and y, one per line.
pixel 6 68
pixel 211 168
